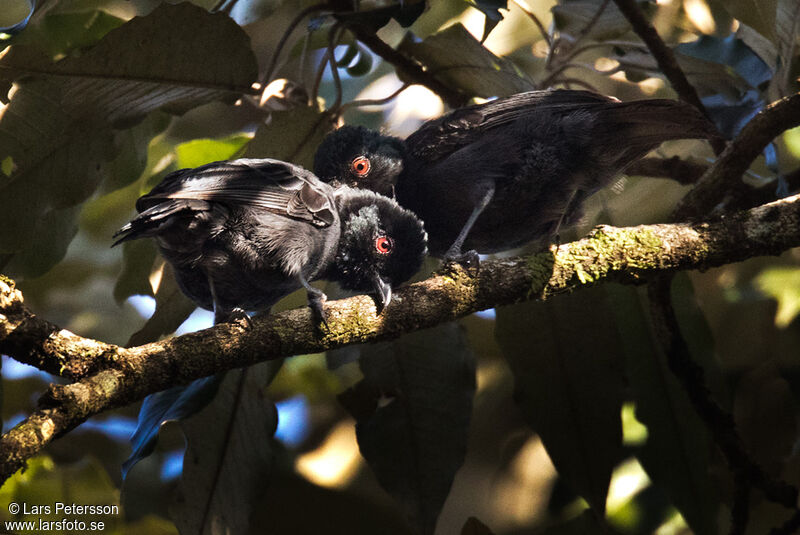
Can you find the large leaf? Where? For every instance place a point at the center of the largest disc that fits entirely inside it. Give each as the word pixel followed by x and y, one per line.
pixel 412 410
pixel 567 362
pixel 229 456
pixel 677 452
pixel 291 135
pixel 57 129
pixel 474 69
pixel 572 19
pixel 758 14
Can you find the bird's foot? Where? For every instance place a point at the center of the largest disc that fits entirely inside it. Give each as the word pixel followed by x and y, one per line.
pixel 469 260
pixel 315 303
pixel 234 315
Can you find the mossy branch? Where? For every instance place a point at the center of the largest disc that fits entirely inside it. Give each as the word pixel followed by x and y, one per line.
pixel 108 376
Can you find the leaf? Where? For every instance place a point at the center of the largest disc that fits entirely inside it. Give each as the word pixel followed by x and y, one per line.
pixel 291 136
pixel 491 10
pixel 57 34
pixel 786 30
pixel 58 126
pixel 730 52
pixel 229 455
pixel 567 361
pixel 764 410
pixel 49 241
pixel 572 18
pixel 285 510
pixel 781 283
pixel 758 14
pixel 473 526
pixel 172 307
pixel 15 16
pixel 474 69
pixel 412 412
pixel 677 452
pixel 202 151
pixel 170 405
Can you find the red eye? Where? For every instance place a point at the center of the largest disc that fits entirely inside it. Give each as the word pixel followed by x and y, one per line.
pixel 360 165
pixel 384 245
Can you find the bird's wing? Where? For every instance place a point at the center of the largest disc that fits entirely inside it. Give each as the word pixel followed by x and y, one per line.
pixel 271 185
pixel 438 138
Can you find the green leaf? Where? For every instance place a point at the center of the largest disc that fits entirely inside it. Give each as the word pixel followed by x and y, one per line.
pixel 60 33
pixel 677 452
pixel 567 361
pixel 202 151
pixel 572 17
pixel 758 14
pixel 416 441
pixel 172 308
pixel 291 136
pixel 474 69
pixel 58 125
pixel 229 454
pixel 782 283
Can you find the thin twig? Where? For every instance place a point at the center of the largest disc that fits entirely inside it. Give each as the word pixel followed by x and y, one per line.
pixel 375 101
pixel 531 15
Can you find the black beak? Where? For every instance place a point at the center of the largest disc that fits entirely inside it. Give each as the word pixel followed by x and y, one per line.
pixel 384 291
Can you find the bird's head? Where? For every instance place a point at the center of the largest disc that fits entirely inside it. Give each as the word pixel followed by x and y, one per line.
pixel 360 158
pixel 381 244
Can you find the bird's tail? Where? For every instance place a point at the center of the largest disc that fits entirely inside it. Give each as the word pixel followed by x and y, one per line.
pixel 651 122
pixel 152 221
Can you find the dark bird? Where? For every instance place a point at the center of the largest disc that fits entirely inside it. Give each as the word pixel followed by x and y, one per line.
pixel 495 176
pixel 241 235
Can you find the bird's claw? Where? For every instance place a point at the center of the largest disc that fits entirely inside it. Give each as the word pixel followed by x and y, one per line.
pixel 238 315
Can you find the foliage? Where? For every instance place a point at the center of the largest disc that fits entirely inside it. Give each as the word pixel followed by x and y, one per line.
pixel 513 422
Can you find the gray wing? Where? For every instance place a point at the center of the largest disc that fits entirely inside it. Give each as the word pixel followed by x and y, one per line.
pixel 438 138
pixel 270 185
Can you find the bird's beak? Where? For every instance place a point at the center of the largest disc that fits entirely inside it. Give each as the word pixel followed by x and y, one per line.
pixel 384 291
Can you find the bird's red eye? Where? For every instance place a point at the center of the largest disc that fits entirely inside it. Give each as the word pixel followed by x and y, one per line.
pixel 360 165
pixel 384 245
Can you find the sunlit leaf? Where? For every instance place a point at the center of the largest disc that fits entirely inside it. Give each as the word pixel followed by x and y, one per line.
pixel 567 361
pixel 229 454
pixel 758 14
pixel 412 413
pixel 202 151
pixel 782 283
pixel 291 136
pixel 491 10
pixel 474 69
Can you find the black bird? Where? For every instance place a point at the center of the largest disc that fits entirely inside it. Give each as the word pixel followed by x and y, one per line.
pixel 495 176
pixel 243 234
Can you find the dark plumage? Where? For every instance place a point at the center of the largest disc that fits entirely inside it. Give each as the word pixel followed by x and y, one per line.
pixel 243 234
pixel 495 176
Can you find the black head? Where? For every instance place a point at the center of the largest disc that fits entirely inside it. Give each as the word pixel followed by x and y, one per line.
pixel 360 158
pixel 381 244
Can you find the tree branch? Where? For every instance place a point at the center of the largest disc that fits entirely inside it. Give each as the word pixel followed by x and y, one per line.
pixel 112 376
pixel 725 175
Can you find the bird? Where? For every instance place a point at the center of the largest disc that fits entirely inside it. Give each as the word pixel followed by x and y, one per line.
pixel 497 175
pixel 242 234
